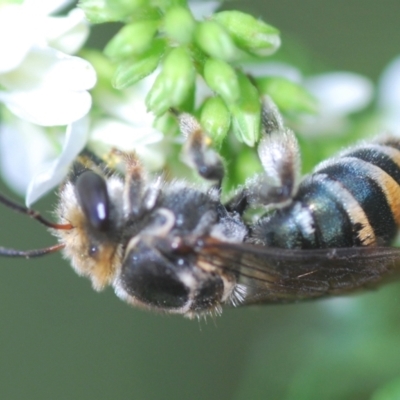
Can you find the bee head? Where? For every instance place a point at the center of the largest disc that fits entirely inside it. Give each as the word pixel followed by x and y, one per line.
pixel 92 204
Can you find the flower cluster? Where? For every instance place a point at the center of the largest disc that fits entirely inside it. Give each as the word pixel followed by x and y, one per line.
pixel 168 54
pixel 166 37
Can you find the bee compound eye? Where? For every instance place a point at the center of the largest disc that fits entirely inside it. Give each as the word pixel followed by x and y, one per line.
pixel 153 280
pixel 93 197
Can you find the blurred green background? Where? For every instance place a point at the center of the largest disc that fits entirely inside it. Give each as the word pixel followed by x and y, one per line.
pixel 61 340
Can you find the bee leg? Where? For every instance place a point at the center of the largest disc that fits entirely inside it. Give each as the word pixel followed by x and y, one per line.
pixel 197 151
pixel 279 154
pixel 135 180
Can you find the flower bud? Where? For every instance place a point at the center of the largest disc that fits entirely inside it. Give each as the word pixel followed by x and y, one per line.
pixel 132 39
pixel 222 78
pixel 98 11
pixel 216 119
pixel 179 24
pixel 287 95
pixel 246 165
pixel 249 33
pixel 246 112
pixel 215 41
pixel 174 84
pixel 133 70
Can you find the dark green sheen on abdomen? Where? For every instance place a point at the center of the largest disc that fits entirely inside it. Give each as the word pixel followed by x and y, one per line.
pixel 353 200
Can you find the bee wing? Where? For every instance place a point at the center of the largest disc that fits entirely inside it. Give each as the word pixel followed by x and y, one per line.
pixel 273 275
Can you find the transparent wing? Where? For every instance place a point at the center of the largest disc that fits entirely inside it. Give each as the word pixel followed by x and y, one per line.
pixel 273 275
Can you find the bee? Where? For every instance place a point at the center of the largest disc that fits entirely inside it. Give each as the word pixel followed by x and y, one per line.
pixel 173 247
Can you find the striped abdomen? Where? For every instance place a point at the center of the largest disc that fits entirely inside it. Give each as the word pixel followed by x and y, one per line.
pixel 351 200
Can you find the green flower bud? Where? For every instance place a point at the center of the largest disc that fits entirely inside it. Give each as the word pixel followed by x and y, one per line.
pixel 287 95
pixel 105 69
pixel 179 25
pixel 174 84
pixel 246 113
pixel 216 119
pixel 246 165
pixel 132 39
pixel 168 124
pixel 98 11
pixel 222 78
pixel 249 33
pixel 214 40
pixel 145 13
pixel 133 70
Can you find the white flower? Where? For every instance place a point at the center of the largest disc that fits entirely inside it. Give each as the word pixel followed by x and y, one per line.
pixel 203 8
pixel 127 125
pixel 34 160
pixel 389 97
pixel 40 83
pixel 23 147
pixel 39 167
pixel 339 94
pixel 53 172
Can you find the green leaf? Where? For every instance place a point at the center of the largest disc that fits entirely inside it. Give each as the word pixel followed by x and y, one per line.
pixel 222 78
pixel 215 119
pixel 132 39
pixel 249 33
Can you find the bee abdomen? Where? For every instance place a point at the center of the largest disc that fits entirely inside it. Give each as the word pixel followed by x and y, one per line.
pixel 352 200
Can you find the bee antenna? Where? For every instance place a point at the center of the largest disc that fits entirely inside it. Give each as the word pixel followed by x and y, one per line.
pixel 32 213
pixel 5 252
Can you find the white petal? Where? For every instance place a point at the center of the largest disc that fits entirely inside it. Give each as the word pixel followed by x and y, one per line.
pixel 274 68
pixel 69 73
pixel 129 105
pixel 46 68
pixel 23 148
pixel 126 108
pixel 340 92
pixel 48 108
pixel 113 133
pixel 323 124
pixel 146 142
pixel 203 8
pixel 67 34
pixel 389 87
pixel 45 7
pixel 14 25
pixel 53 174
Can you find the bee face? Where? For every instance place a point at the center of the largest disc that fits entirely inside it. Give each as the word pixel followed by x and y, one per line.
pixel 176 248
pixel 92 205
